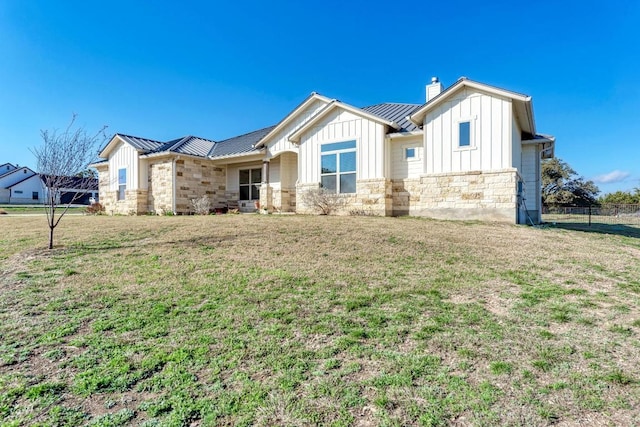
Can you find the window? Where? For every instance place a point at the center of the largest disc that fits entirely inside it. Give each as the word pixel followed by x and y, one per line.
pixel 338 167
pixel 250 180
pixel 122 183
pixel 410 153
pixel 18 191
pixel 464 134
pixel 34 195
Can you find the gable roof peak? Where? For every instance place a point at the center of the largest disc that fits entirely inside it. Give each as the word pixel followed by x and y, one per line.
pixel 521 101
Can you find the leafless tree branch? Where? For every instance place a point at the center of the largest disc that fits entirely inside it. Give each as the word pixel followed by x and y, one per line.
pixel 61 160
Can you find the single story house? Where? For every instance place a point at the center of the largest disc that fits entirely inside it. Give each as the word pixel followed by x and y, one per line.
pixel 471 151
pixel 21 185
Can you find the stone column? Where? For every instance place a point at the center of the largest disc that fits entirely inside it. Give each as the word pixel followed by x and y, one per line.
pixel 265 171
pixel 266 192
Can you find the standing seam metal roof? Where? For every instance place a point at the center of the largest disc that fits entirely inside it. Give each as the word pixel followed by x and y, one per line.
pixel 190 145
pixel 395 112
pixel 143 144
pixel 239 144
pixel 242 144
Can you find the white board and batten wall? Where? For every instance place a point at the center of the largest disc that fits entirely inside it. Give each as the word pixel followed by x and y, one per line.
pixel 403 167
pixel 531 175
pixel 279 142
pixel 124 156
pixel 491 122
pixel 340 126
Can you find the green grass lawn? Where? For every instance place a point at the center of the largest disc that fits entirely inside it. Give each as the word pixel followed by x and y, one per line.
pixel 31 209
pixel 298 320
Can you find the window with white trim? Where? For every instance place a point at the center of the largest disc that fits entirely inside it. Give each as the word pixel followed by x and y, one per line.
pixel 410 153
pixel 464 133
pixel 250 180
pixel 122 183
pixel 338 167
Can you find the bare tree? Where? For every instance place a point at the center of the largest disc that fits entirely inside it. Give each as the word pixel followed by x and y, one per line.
pixel 62 161
pixel 201 205
pixel 322 200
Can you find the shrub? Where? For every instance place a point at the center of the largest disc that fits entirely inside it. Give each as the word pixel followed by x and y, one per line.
pixel 201 205
pixel 322 201
pixel 94 209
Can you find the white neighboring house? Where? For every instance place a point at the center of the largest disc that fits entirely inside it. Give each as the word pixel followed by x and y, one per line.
pixel 471 151
pixel 21 185
pixel 28 191
pixel 7 167
pixel 11 176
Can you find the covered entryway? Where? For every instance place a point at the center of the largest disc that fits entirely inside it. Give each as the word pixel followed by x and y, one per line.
pixel 278 188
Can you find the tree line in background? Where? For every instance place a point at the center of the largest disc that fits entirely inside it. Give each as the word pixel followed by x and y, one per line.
pixel 562 186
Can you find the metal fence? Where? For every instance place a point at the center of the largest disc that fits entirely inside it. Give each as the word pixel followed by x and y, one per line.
pixel 600 214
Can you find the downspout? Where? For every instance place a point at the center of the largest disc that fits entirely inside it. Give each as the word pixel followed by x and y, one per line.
pixel 173 186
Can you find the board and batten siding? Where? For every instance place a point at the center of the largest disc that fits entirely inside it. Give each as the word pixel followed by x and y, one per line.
pixel 279 142
pixel 402 167
pixel 491 122
pixel 340 126
pixel 288 170
pixel 530 173
pixel 125 156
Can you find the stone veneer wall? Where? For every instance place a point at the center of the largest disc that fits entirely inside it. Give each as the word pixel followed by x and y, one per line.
pixel 372 197
pixel 461 195
pixel 280 199
pixel 196 178
pixel 134 203
pixel 301 206
pixel 160 186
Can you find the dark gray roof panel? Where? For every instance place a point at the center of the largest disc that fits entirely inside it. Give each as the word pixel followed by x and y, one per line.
pixel 142 144
pixel 190 145
pixel 396 113
pixel 193 146
pixel 239 144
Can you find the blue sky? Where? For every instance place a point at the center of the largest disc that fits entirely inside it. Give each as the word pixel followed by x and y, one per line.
pixel 162 70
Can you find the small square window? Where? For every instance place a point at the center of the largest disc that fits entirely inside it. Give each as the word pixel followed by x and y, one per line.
pixel 34 195
pixel 410 153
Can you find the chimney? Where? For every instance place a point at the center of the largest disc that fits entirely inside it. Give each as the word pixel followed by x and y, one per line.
pixel 434 88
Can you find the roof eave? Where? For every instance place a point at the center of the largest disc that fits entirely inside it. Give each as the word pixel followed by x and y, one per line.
pixel 405 134
pixel 166 153
pixel 548 143
pixel 108 148
pixel 417 117
pixel 245 154
pixel 97 165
